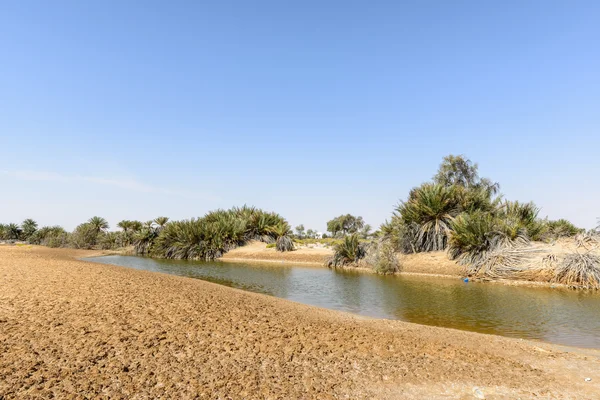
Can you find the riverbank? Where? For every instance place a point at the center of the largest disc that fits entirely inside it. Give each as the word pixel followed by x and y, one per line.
pixel 73 328
pixel 434 263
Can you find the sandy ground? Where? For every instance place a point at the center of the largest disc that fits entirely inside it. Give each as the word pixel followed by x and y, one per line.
pixel 73 329
pixel 258 251
pixel 422 263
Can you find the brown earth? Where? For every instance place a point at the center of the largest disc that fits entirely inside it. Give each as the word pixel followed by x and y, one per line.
pixel 423 263
pixel 73 329
pixel 258 251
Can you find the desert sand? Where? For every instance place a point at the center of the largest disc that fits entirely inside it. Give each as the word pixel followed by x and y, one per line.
pixel 74 329
pixel 436 263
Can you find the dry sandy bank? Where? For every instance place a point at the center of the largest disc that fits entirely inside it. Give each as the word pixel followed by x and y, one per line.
pixel 72 329
pixel 423 263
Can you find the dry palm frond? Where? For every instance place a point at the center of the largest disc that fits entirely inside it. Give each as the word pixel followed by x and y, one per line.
pixel 579 271
pixel 586 241
pixel 508 262
pixel 550 261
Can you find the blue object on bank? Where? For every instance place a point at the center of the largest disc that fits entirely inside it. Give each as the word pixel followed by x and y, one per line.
pixel 466 280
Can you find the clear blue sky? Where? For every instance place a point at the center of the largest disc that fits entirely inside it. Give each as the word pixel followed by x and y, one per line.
pixel 310 108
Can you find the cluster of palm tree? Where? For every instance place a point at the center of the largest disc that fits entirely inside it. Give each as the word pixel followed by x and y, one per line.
pixel 89 234
pixel 203 238
pixel 10 231
pixel 215 234
pixel 464 213
pixel 51 236
pixel 14 231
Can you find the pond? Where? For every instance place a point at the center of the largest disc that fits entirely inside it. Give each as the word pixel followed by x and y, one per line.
pixel 552 315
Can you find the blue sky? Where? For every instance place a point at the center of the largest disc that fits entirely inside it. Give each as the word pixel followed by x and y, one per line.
pixel 311 108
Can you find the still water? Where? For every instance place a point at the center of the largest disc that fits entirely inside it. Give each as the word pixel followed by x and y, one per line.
pixel 553 315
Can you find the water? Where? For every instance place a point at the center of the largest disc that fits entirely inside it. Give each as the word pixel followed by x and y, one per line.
pixel 553 315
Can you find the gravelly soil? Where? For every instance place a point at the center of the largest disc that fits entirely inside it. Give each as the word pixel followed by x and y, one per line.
pixel 72 329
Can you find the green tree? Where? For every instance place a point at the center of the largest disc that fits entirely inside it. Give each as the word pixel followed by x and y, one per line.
pixel 345 224
pixel 98 224
pixel 460 171
pixel 135 226
pixel 85 235
pixel 426 216
pixel 282 233
pixel 12 232
pixel 161 221
pixel 125 225
pixel 300 231
pixel 29 227
pixel 365 231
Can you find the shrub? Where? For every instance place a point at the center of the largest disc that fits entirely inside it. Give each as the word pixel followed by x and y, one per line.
pixel 473 235
pixel 51 236
pixel 85 236
pixel 57 239
pixel 521 220
pixel 271 245
pixel 381 256
pixel 111 240
pixel 402 237
pixel 349 252
pixel 562 228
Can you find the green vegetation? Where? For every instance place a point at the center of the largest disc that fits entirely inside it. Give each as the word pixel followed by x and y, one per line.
pixel 520 221
pixel 381 257
pixel 28 228
pixel 458 212
pixel 348 253
pixel 464 214
pixel 344 225
pixel 473 235
pixel 326 242
pixel 51 236
pixel 203 238
pixel 85 236
pixel 12 232
pixel 562 228
pixel 282 232
pixel 213 235
pixel 428 213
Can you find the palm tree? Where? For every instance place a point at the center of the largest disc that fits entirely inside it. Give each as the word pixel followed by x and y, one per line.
pixel 125 225
pixel 348 252
pixel 428 213
pixel 98 224
pixel 161 221
pixel 135 226
pixel 282 233
pixel 13 232
pixel 29 227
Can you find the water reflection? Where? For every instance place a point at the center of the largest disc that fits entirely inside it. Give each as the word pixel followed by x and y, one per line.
pixel 553 315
